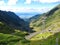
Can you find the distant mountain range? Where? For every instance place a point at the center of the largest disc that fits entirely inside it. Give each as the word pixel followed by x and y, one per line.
pixel 33 18
pixel 26 15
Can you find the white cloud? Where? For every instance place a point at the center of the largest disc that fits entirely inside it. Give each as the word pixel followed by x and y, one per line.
pixel 24 9
pixel 12 2
pixel 47 1
pixel 41 1
pixel 28 1
pixel 9 6
pixel 2 2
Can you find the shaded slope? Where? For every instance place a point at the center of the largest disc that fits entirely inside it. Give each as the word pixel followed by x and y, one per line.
pixel 12 20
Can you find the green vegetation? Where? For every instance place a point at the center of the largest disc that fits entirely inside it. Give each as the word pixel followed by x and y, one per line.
pixel 7 39
pixel 9 36
pixel 51 40
pixel 52 23
pixel 5 29
pixel 52 20
pixel 42 36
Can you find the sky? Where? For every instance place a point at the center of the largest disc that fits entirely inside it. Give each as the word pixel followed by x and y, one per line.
pixel 40 6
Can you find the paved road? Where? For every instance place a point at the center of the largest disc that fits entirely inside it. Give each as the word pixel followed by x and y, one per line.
pixel 34 34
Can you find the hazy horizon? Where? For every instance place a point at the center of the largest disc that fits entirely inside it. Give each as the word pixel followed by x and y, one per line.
pixel 28 6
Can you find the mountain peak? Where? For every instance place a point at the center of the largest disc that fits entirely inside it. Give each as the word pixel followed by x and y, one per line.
pixel 53 10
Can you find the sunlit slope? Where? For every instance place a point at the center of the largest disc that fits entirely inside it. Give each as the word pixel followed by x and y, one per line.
pixel 51 26
pixel 51 40
pixel 52 20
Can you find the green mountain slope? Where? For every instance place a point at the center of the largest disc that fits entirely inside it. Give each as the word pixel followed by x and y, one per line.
pixel 50 20
pixel 48 25
pixel 12 20
pixel 51 40
pixel 5 29
pixel 10 36
pixel 33 18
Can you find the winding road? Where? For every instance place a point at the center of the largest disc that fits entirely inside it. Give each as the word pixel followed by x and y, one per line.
pixel 28 37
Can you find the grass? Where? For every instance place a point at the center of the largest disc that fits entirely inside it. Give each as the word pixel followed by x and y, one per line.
pixel 13 39
pixel 51 40
pixel 41 36
pixel 6 39
pixel 9 36
pixel 51 20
